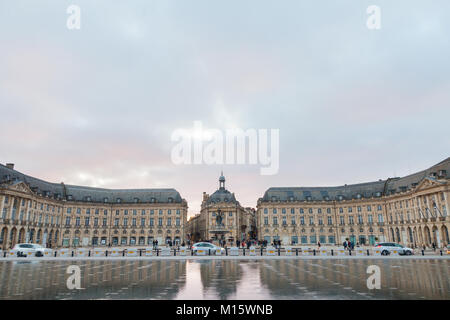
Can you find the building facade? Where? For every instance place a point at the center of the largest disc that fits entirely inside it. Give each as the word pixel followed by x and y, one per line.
pixel 411 210
pixel 59 215
pixel 222 218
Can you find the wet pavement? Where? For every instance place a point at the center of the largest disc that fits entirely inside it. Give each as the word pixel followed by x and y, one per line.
pixel 227 279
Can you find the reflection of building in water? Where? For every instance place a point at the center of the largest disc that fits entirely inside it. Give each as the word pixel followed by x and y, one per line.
pixel 287 278
pixel 100 279
pixel 411 210
pixel 57 214
pixel 220 276
pixel 334 279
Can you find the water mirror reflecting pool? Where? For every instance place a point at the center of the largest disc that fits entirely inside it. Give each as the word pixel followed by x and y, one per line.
pixel 227 279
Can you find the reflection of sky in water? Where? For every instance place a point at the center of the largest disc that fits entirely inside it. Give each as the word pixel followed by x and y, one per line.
pixel 227 279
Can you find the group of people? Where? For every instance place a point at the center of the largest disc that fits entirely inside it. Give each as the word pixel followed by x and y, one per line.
pixel 245 243
pixel 348 245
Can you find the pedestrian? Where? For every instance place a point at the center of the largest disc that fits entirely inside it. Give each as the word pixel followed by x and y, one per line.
pixel 318 244
pixel 345 245
pixel 434 246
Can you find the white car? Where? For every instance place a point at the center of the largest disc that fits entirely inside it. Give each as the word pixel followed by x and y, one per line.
pixel 206 246
pixel 388 247
pixel 29 249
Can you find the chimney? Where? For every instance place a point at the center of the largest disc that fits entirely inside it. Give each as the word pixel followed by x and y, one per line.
pixel 10 166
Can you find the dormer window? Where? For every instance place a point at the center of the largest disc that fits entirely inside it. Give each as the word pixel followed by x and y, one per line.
pixel 291 198
pixel 119 200
pixel 136 200
pixel 105 200
pixel 152 200
pixel 69 197
pixel 88 198
pixel 308 198
pixel 340 197
pixel 358 196
pixel 378 194
pixel 274 198
pixel 170 200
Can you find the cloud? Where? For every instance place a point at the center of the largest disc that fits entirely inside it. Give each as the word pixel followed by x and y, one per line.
pixel 98 106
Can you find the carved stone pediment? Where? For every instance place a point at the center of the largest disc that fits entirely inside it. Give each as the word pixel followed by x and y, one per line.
pixel 427 183
pixel 21 187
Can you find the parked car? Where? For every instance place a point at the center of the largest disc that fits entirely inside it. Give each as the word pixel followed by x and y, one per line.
pixel 29 249
pixel 206 246
pixel 388 247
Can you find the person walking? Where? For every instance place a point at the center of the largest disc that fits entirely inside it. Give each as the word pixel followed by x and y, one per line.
pixel 345 245
pixel 318 244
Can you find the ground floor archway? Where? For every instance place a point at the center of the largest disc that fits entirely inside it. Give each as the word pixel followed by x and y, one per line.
pixel 444 235
pixel 3 238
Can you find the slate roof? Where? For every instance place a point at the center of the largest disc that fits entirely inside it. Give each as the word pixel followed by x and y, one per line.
pixel 353 191
pixel 222 195
pixel 81 193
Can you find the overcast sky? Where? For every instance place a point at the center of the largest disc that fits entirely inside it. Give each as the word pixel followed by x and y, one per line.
pixel 97 106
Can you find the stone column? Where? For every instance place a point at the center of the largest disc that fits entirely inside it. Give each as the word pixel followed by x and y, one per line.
pixel 10 226
pixel 2 200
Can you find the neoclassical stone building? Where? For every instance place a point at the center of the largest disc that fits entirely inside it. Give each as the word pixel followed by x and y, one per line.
pixel 223 218
pixel 411 210
pixel 60 215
